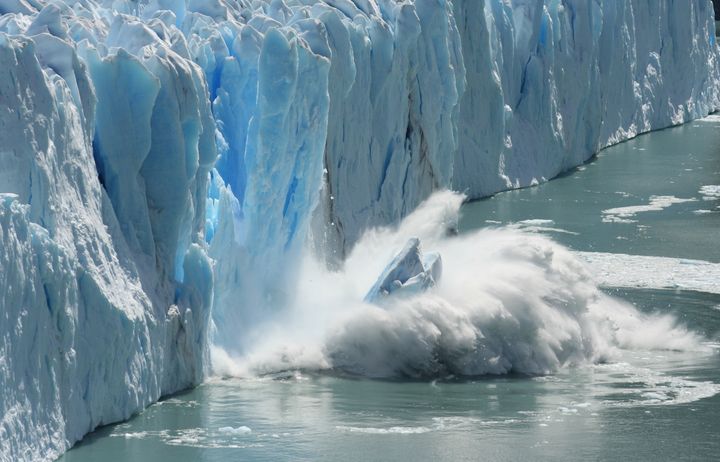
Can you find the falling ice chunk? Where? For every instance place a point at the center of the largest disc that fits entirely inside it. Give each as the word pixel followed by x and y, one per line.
pixel 409 272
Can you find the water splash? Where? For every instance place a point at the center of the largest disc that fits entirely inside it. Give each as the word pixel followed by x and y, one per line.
pixel 509 302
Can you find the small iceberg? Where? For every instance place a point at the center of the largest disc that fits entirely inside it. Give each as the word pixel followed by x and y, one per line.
pixel 410 272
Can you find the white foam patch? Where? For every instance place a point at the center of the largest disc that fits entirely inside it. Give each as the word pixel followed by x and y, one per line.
pixel 204 438
pixel 439 424
pixel 657 203
pixel 241 430
pixel 536 222
pixel 385 431
pixel 710 118
pixel 702 212
pixel 644 272
pixel 134 435
pixel 615 385
pixel 710 192
pixel 178 402
pixel 539 226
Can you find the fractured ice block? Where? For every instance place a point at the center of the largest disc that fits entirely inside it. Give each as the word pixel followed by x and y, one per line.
pixel 409 272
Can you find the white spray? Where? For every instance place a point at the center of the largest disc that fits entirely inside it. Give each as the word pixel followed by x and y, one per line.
pixel 508 302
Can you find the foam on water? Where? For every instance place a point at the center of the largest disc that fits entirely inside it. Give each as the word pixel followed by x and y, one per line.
pixel 710 192
pixel 204 438
pixel 645 272
pixel 656 388
pixel 385 431
pixel 710 118
pixel 241 430
pixel 509 301
pixel 657 203
pixel 539 226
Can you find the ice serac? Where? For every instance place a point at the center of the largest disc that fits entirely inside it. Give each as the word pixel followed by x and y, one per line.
pixel 502 95
pixel 562 80
pixel 272 109
pixel 164 162
pixel 105 286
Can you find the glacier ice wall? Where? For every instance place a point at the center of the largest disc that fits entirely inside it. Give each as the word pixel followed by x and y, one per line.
pixel 164 159
pixel 518 90
pixel 414 96
pixel 562 80
pixel 103 173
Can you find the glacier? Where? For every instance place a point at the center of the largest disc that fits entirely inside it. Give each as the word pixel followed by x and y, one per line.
pixel 165 163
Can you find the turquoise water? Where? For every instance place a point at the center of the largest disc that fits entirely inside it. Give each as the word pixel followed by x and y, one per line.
pixel 659 405
pixel 675 163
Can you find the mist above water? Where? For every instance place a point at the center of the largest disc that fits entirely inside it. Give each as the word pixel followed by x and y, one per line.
pixel 508 302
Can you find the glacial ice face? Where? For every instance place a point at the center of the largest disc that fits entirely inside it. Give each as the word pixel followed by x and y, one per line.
pixel 162 157
pixel 526 90
pixel 410 97
pixel 95 218
pixel 562 80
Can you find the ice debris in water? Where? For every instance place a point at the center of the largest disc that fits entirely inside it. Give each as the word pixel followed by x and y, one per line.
pixel 241 430
pixel 408 273
pixel 710 192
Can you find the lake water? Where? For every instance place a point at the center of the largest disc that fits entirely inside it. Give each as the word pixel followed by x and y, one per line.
pixel 656 196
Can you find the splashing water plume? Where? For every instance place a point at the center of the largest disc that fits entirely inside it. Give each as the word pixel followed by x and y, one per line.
pixel 508 302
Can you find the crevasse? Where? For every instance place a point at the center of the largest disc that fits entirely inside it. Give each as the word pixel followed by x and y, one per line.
pixel 163 163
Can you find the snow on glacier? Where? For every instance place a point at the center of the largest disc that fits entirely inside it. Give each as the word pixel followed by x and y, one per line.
pixel 163 159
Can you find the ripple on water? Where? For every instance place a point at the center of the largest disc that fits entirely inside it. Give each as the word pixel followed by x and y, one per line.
pixel 629 386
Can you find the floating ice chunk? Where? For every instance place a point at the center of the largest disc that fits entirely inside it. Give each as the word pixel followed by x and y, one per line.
pixel 620 270
pixel 241 430
pixel 710 192
pixel 409 272
pixel 657 203
pixel 135 435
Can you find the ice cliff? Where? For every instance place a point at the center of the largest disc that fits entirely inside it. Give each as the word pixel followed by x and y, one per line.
pixel 163 163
